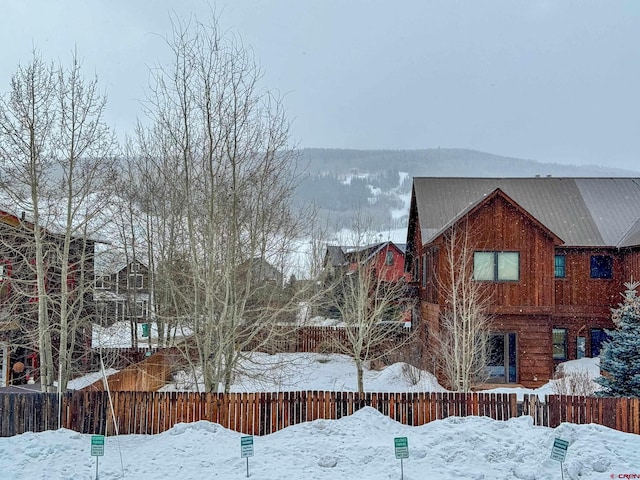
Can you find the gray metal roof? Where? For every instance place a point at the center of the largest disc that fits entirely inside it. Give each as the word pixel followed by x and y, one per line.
pixel 581 211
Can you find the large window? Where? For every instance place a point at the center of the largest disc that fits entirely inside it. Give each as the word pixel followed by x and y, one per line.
pixel 496 266
pixel 559 343
pixel 601 266
pixel 560 266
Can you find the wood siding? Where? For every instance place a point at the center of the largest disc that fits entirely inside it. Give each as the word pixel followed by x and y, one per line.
pixel 538 302
pixel 578 289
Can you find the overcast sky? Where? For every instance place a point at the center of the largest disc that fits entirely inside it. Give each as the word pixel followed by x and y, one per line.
pixel 555 81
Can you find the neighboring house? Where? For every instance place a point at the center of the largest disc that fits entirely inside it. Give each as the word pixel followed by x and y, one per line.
pixel 386 258
pixel 262 271
pixel 19 297
pixel 123 295
pixel 553 254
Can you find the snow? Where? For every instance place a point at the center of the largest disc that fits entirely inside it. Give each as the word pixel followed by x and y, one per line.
pixel 285 372
pixel 118 335
pixel 360 446
pixel 86 380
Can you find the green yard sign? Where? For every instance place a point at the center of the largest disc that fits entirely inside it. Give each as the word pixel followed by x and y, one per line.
pixel 246 449
pixel 402 447
pixel 402 452
pixel 97 450
pixel 97 445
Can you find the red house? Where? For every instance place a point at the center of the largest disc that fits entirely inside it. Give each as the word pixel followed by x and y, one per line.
pixel 551 254
pixel 386 258
pixel 20 298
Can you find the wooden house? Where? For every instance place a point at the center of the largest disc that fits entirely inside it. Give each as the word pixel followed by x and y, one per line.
pixel 261 271
pixel 551 254
pixel 386 258
pixel 20 297
pixel 124 295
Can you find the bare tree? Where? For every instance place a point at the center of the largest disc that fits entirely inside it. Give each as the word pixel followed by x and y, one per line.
pixel 461 342
pixel 372 306
pixel 218 144
pixel 57 156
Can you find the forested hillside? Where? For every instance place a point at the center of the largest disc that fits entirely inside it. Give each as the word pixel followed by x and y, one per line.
pixel 378 182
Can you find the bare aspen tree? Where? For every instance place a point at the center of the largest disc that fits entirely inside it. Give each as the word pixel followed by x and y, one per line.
pixel 57 158
pixel 461 342
pixel 220 144
pixel 371 306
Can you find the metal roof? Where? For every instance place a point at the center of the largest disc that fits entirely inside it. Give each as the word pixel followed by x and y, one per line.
pixel 581 211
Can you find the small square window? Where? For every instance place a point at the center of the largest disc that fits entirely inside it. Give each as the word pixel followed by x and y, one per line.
pixel 559 266
pixel 601 266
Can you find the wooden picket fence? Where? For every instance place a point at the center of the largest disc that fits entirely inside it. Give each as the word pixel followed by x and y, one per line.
pixel 265 413
pixel 309 339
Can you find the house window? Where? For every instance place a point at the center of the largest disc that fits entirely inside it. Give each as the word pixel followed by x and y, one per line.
pixel 101 284
pixel 424 271
pixel 598 337
pixel 559 343
pixel 137 309
pixel 559 266
pixel 496 266
pixel 601 266
pixel 134 280
pixel 416 270
pixel 389 258
pixel 4 272
pixel 581 347
pixel 135 267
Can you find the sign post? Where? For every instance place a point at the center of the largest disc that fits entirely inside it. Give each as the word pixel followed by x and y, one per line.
pixel 559 452
pixel 246 449
pixel 402 451
pixel 97 449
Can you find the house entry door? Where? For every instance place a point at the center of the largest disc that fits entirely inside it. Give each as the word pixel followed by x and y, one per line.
pixel 502 365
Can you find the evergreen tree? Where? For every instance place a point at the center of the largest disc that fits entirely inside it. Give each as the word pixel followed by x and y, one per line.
pixel 620 356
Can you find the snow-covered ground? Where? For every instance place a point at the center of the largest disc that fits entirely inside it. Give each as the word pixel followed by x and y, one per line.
pixel 285 372
pixel 357 447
